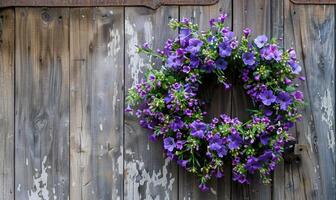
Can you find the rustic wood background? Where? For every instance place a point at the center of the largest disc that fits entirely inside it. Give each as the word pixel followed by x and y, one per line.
pixel 64 73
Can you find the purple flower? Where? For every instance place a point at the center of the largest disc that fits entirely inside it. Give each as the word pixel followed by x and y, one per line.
pixel 176 124
pixel 234 141
pixel 284 100
pixel 182 163
pixel 186 69
pixel 241 178
pixel 185 35
pixel 247 32
pixel 194 46
pixel 169 144
pixel 174 61
pixel 260 41
pixel 252 164
pixel 248 58
pixel 203 187
pixel 264 138
pixel 194 61
pixel 219 174
pixel 221 64
pixel 267 155
pixel 296 68
pixel 198 129
pixel 218 147
pixel 224 49
pixel 298 95
pixel 179 144
pixel 267 97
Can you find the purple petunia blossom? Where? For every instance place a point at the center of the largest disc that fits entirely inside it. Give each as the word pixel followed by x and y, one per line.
pixel 175 61
pixel 298 95
pixel 264 138
pixel 186 69
pixel 176 124
pixel 221 64
pixel 203 187
pixel 198 129
pixel 247 32
pixel 169 144
pixel 248 58
pixel 284 100
pixel 296 68
pixel 260 41
pixel 252 164
pixel 267 155
pixel 219 174
pixel 182 163
pixel 185 35
pixel 194 61
pixel 224 49
pixel 267 97
pixel 194 46
pixel 234 141
pixel 179 144
pixel 241 178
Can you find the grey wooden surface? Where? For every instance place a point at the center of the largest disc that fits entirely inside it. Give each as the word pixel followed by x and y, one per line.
pixel 64 74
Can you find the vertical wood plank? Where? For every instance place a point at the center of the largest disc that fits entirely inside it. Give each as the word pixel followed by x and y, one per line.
pixel 148 175
pixel 7 34
pixel 311 30
pixel 277 31
pixel 96 103
pixel 257 16
pixel 219 102
pixel 42 103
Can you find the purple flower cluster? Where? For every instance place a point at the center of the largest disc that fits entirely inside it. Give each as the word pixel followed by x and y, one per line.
pixel 168 105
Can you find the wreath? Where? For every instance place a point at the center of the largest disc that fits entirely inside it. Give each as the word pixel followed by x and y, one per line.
pixel 169 105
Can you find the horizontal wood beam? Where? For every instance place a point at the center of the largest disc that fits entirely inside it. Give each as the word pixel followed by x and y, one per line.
pixel 313 2
pixel 95 3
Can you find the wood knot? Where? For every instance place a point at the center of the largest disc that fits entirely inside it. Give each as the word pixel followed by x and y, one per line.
pixel 45 16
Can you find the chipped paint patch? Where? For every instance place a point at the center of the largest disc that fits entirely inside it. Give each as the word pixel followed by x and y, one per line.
pixel 136 62
pixel 19 188
pixel 138 179
pixel 40 180
pixel 328 117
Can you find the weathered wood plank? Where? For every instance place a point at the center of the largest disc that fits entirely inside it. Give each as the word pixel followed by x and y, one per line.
pixel 257 16
pixel 148 175
pixel 311 30
pixel 96 103
pixel 219 101
pixel 7 35
pixel 277 31
pixel 81 3
pixel 42 103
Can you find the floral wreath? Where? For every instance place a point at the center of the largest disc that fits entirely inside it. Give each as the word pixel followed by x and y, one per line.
pixel 168 101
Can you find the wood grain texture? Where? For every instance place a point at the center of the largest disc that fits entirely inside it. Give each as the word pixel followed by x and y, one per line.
pixel 218 101
pixel 96 103
pixel 311 30
pixel 148 175
pixel 257 16
pixel 7 37
pixel 70 3
pixel 277 31
pixel 42 103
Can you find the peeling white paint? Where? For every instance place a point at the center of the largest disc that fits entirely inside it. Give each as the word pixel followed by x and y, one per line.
pixel 101 127
pixel 137 177
pixel 26 161
pixel 328 118
pixel 19 188
pixel 113 45
pixel 40 180
pixel 115 94
pixel 136 62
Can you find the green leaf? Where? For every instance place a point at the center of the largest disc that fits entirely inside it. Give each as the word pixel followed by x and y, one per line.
pixel 290 89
